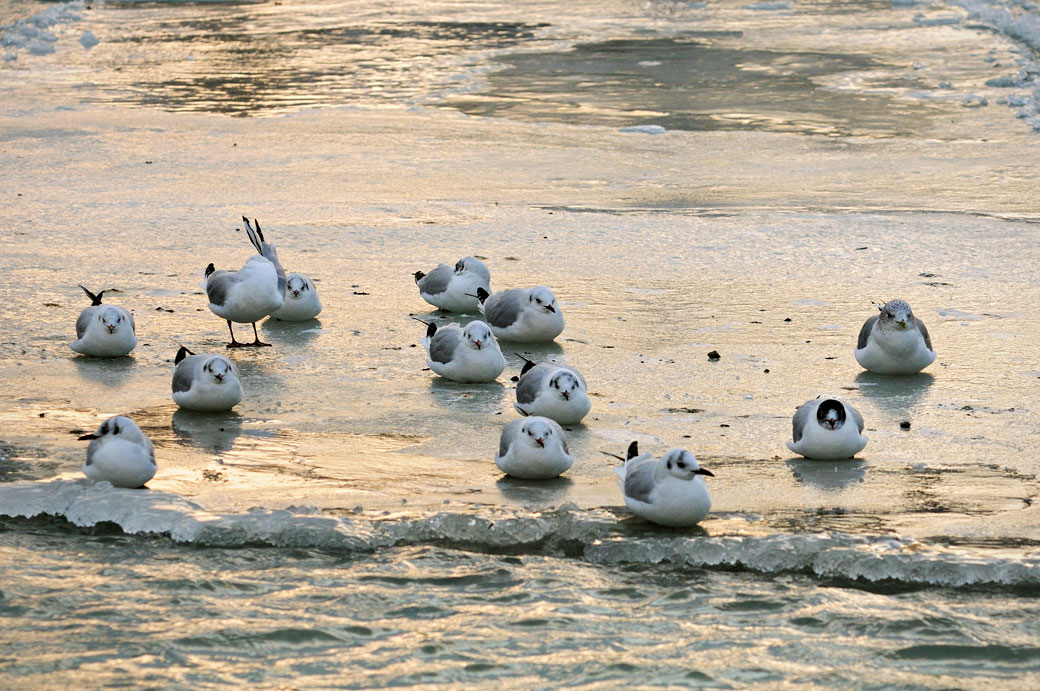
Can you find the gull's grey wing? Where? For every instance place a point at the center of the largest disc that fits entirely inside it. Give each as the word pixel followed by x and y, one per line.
pixel 864 334
pixel 639 479
pixel 801 418
pixel 532 382
pixel 84 321
pixel 436 282
pixel 854 415
pixel 503 309
pixel 92 448
pixel 508 432
pixel 184 374
pixel 924 332
pixel 444 343
pixel 218 284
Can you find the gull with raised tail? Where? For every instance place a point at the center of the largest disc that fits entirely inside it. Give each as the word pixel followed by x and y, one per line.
pixel 251 293
pixel 205 382
pixel 104 330
pixel 551 390
pixel 669 490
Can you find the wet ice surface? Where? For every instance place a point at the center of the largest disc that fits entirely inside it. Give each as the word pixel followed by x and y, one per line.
pixel 340 413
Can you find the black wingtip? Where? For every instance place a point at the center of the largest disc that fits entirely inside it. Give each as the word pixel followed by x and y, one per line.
pixel 94 299
pixel 482 295
pixel 87 436
pixel 419 275
pixel 633 451
pixel 431 330
pixel 210 269
pixel 527 367
pixel 259 232
pixel 181 354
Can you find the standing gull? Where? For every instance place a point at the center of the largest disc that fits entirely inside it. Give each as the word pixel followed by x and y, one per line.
pixel 452 288
pixel 205 382
pixel 894 341
pixel 553 391
pixel 827 429
pixel 468 354
pixel 301 300
pixel 120 453
pixel 533 448
pixel 523 315
pixel 668 491
pixel 251 293
pixel 104 330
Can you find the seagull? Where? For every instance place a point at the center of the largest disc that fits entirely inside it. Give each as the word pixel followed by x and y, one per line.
pixel 533 448
pixel 104 330
pixel 553 391
pixel 522 315
pixel 453 289
pixel 205 382
pixel 119 453
pixel 301 300
pixel 665 490
pixel 827 429
pixel 251 293
pixel 468 354
pixel 894 342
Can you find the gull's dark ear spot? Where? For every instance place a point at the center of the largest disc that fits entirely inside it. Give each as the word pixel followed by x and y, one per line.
pixel 115 429
pixel 669 465
pixel 633 450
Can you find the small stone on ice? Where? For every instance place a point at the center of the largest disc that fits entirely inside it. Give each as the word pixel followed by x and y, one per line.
pixel 905 424
pixel 714 355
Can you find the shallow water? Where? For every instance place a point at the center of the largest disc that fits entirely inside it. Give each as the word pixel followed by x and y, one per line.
pixel 815 158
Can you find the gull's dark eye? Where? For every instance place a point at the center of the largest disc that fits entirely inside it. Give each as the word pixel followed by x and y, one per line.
pixel 104 429
pixel 669 465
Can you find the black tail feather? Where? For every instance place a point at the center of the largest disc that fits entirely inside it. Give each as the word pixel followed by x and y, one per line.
pixel 181 354
pixel 94 299
pixel 528 364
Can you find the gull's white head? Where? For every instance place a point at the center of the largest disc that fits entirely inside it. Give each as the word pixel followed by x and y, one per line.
pixel 118 427
pixel 113 319
pixel 830 414
pixel 218 369
pixel 896 314
pixel 296 286
pixel 565 384
pixel 542 299
pixel 473 265
pixel 682 464
pixel 536 432
pixel 477 335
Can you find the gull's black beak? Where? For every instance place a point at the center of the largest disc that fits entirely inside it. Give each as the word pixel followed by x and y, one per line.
pixel 89 436
pixel 550 308
pixel 702 471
